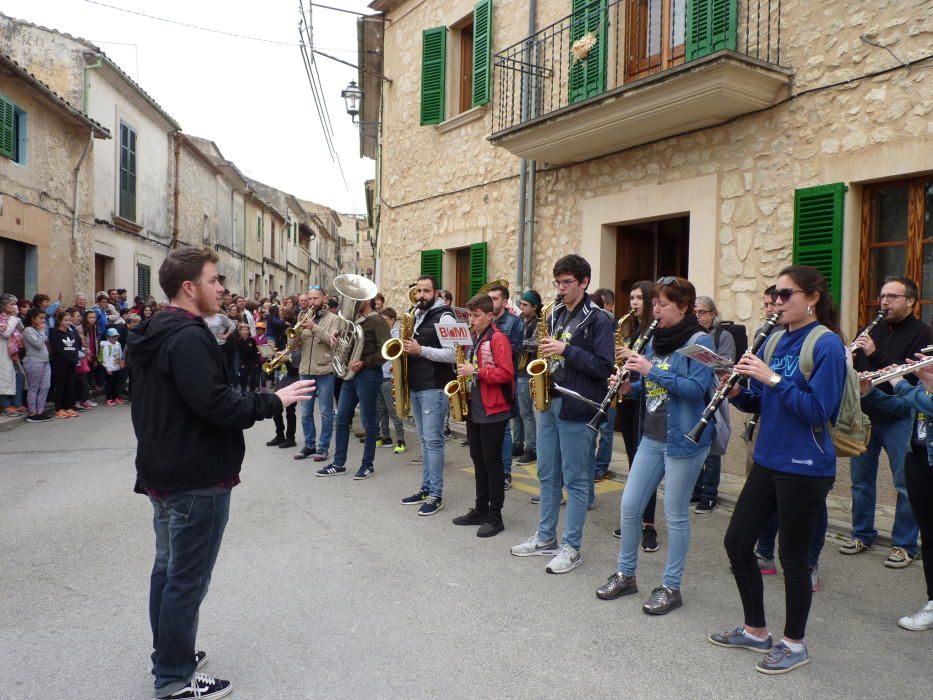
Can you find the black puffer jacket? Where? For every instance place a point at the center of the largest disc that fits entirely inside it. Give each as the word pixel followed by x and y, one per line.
pixel 188 421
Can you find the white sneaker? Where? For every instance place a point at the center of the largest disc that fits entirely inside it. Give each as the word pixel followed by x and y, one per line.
pixel 532 547
pixel 920 620
pixel 567 559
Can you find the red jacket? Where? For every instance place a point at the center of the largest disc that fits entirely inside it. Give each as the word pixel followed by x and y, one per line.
pixel 494 362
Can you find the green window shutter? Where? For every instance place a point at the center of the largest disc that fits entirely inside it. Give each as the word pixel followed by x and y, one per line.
pixel 432 264
pixel 818 231
pixel 127 172
pixel 478 252
pixel 711 26
pixel 588 77
pixel 482 52
pixel 7 128
pixel 433 74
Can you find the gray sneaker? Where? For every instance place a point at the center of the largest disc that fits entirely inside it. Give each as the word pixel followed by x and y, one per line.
pixel 781 660
pixel 567 560
pixel 662 600
pixel 533 547
pixel 737 639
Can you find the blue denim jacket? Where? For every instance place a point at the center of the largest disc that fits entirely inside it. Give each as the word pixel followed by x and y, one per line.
pixel 908 400
pixel 689 386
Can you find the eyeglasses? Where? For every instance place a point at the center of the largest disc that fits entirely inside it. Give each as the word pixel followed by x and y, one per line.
pixel 784 294
pixel 670 280
pixel 560 284
pixel 891 297
pixel 702 312
pixel 315 288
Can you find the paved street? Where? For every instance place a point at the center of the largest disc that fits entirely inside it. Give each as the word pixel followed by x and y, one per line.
pixel 328 588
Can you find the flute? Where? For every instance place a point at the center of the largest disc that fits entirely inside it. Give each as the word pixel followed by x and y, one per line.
pixel 881 376
pixel 622 375
pixel 697 431
pixel 868 329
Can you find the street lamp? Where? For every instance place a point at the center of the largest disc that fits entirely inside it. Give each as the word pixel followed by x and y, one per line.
pixel 352 95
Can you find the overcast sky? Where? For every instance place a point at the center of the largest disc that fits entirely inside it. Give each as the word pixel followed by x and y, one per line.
pixel 252 98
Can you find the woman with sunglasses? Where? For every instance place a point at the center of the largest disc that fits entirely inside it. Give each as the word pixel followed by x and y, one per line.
pixel 794 463
pixel 672 391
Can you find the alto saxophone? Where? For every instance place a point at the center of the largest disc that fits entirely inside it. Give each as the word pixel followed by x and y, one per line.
pixel 458 392
pixel 539 368
pixel 393 351
pixel 619 342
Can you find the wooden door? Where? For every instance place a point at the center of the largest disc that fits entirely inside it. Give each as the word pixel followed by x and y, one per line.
pixel 461 290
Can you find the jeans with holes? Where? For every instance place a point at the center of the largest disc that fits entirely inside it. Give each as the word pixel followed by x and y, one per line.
pixel 652 463
pixel 361 389
pixel 429 409
pixel 894 438
pixel 323 397
pixel 188 532
pixel 566 451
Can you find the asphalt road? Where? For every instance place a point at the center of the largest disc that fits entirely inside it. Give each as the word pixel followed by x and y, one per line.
pixel 328 588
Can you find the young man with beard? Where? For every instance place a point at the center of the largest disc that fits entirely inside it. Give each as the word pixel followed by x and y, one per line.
pixel 430 367
pixel 189 426
pixel 316 343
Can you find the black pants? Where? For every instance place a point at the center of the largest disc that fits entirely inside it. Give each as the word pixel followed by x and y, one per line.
pixel 628 410
pixel 83 389
pixel 798 501
pixel 65 385
pixel 486 452
pixel 285 429
pixel 919 476
pixel 114 381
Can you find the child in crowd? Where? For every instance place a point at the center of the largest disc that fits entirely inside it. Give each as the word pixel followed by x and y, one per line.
pixel 86 362
pixel 36 364
pixel 250 359
pixel 111 359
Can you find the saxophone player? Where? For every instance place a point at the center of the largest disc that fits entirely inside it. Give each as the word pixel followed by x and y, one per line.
pixel 430 367
pixel 580 336
pixel 530 306
pixel 491 376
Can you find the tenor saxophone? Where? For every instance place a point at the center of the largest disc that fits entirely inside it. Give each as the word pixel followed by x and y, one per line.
pixel 393 351
pixel 539 368
pixel 458 392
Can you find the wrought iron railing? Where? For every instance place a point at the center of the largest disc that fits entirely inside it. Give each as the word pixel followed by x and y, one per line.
pixel 607 44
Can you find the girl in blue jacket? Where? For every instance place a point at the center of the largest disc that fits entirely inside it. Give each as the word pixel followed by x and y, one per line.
pixel 794 463
pixel 672 391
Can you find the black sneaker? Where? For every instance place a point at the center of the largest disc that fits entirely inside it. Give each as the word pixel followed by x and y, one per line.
pixel 508 482
pixel 491 527
pixel 617 533
pixel 465 443
pixel 431 506
pixel 527 457
pixel 203 687
pixel 518 449
pixel 305 452
pixel 331 470
pixel 200 660
pixel 416 499
pixel 472 517
pixel 288 443
pixel 39 418
pixel 385 442
pixel 705 505
pixel 649 539
pixel 277 440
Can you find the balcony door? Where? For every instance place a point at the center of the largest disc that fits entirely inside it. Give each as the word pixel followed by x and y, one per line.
pixel 654 36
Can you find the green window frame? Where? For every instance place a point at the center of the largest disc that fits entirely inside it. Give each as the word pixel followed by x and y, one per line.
pixel 818 222
pixel 588 77
pixel 478 260
pixel 7 128
pixel 482 53
pixel 127 200
pixel 711 26
pixel 433 75
pixel 432 263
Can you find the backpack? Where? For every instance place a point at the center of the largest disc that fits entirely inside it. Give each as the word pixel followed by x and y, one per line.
pixel 738 333
pixel 852 429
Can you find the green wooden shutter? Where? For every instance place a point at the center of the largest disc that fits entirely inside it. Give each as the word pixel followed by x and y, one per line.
pixel 588 77
pixel 433 74
pixel 478 253
pixel 482 52
pixel 432 264
pixel 127 172
pixel 818 231
pixel 711 26
pixel 7 128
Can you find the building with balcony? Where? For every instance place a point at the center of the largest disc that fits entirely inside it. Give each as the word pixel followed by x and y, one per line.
pixel 716 139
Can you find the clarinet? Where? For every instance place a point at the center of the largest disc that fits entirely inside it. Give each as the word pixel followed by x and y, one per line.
pixel 868 329
pixel 697 431
pixel 623 375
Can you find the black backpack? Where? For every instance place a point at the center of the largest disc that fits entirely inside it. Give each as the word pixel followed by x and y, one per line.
pixel 738 333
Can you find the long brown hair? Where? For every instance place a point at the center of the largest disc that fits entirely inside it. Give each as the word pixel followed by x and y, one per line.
pixel 644 319
pixel 812 281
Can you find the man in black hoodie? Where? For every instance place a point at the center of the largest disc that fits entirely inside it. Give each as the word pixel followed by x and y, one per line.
pixel 189 426
pixel 897 337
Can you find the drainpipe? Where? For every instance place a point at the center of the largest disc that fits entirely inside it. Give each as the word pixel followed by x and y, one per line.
pixel 526 188
pixel 175 195
pixel 74 192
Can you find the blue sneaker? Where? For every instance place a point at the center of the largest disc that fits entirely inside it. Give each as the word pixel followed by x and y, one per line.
pixel 330 470
pixel 737 639
pixel 431 505
pixel 781 660
pixel 363 473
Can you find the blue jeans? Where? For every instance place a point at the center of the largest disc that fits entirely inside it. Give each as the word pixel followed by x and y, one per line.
pixel 765 546
pixel 707 483
pixel 651 464
pixel 362 389
pixel 604 447
pixel 526 410
pixel 894 438
pixel 188 532
pixel 323 396
pixel 507 449
pixel 566 451
pixel 429 408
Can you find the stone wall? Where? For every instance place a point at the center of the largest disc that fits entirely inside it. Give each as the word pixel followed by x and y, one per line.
pixel 447 188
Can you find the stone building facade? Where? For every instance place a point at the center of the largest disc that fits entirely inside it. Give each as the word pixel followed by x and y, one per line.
pixel 641 180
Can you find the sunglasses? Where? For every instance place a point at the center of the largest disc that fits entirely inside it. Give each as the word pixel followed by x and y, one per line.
pixel 670 280
pixel 315 288
pixel 785 294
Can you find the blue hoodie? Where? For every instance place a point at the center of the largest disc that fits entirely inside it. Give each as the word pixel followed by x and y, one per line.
pixel 792 435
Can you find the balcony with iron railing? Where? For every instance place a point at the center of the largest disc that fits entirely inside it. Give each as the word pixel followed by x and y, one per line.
pixel 619 73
